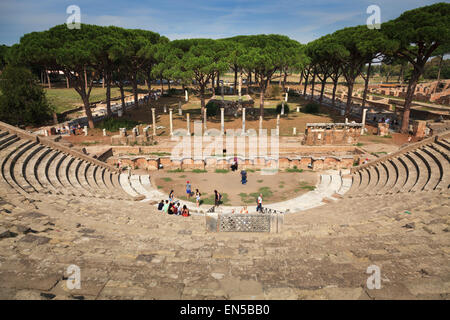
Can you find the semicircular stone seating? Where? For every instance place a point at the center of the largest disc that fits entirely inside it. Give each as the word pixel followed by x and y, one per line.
pixel 424 166
pixel 31 168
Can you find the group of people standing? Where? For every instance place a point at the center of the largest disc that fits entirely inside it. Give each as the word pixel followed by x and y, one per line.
pixel 197 194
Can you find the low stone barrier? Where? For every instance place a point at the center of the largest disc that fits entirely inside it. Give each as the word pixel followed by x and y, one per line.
pixel 257 163
pixel 244 222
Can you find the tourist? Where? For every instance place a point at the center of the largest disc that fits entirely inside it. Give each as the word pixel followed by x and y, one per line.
pixel 166 206
pixel 161 205
pixel 197 197
pixel 188 189
pixel 170 209
pixel 119 164
pixel 185 212
pixel 259 201
pixel 217 198
pixel 171 196
pixel 234 166
pixel 178 209
pixel 244 210
pixel 244 177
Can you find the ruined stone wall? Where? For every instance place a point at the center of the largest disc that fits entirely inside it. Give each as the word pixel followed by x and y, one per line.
pixel 332 134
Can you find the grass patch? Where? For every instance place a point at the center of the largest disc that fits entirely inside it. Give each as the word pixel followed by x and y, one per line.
pixel 294 169
pixel 199 171
pixel 388 136
pixel 306 186
pixel 221 171
pixel 175 170
pixel 183 176
pixel 259 181
pixel 167 179
pixel 89 143
pixel 114 124
pixel 159 187
pixel 359 144
pixel 160 154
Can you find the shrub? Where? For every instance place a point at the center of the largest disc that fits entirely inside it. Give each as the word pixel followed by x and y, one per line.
pixel 212 109
pixel 311 107
pixel 22 99
pixel 114 124
pixel 274 91
pixel 286 108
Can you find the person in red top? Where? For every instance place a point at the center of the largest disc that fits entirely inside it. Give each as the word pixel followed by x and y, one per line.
pixel 185 212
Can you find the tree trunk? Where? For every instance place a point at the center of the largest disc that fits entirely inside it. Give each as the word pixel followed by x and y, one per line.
pixel 306 83
pixel 284 81
pixel 108 94
pixel 162 87
pixel 281 76
pixel 149 85
pixel 348 107
pixel 333 99
pixel 301 78
pixel 218 82
pixel 439 71
pixel 366 85
pixel 135 91
pixel 122 97
pixel 103 82
pixel 312 85
pixel 235 79
pixel 48 79
pixel 85 78
pixel 87 109
pixel 408 99
pixel 202 101
pixel 324 81
pixel 261 98
pixel 67 83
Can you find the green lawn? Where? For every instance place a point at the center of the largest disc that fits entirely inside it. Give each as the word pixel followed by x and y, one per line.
pixel 66 99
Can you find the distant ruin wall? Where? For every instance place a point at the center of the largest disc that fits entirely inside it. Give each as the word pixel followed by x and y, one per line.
pixel 332 133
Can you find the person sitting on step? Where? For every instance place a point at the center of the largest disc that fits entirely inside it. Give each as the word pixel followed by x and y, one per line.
pixel 161 205
pixel 185 212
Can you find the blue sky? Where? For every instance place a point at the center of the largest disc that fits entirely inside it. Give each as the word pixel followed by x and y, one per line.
pixel 176 19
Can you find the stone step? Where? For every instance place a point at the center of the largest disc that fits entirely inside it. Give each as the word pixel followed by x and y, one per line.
pixel 365 180
pixel 63 174
pixel 15 167
pixel 443 164
pixel 435 174
pixel 126 185
pixel 413 174
pixel 391 178
pixel 374 179
pixel 423 172
pixel 9 159
pixel 403 174
pixel 8 140
pixel 27 166
pixel 33 167
pixel 443 144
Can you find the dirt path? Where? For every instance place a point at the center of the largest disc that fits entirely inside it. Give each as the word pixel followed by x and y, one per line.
pixel 275 188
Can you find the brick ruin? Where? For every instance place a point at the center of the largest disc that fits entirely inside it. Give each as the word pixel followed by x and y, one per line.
pixel 332 133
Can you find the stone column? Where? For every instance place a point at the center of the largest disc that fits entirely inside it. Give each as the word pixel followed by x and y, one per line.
pixel 186 96
pixel 104 133
pixel 222 119
pixel 85 130
pixel 165 109
pixel 282 108
pixel 287 96
pixel 188 125
pixel 294 131
pixel 298 109
pixel 260 122
pixel 240 86
pixel 364 120
pixel 180 111
pixel 204 119
pixel 243 120
pixel 154 121
pixel 278 125
pixel 171 123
